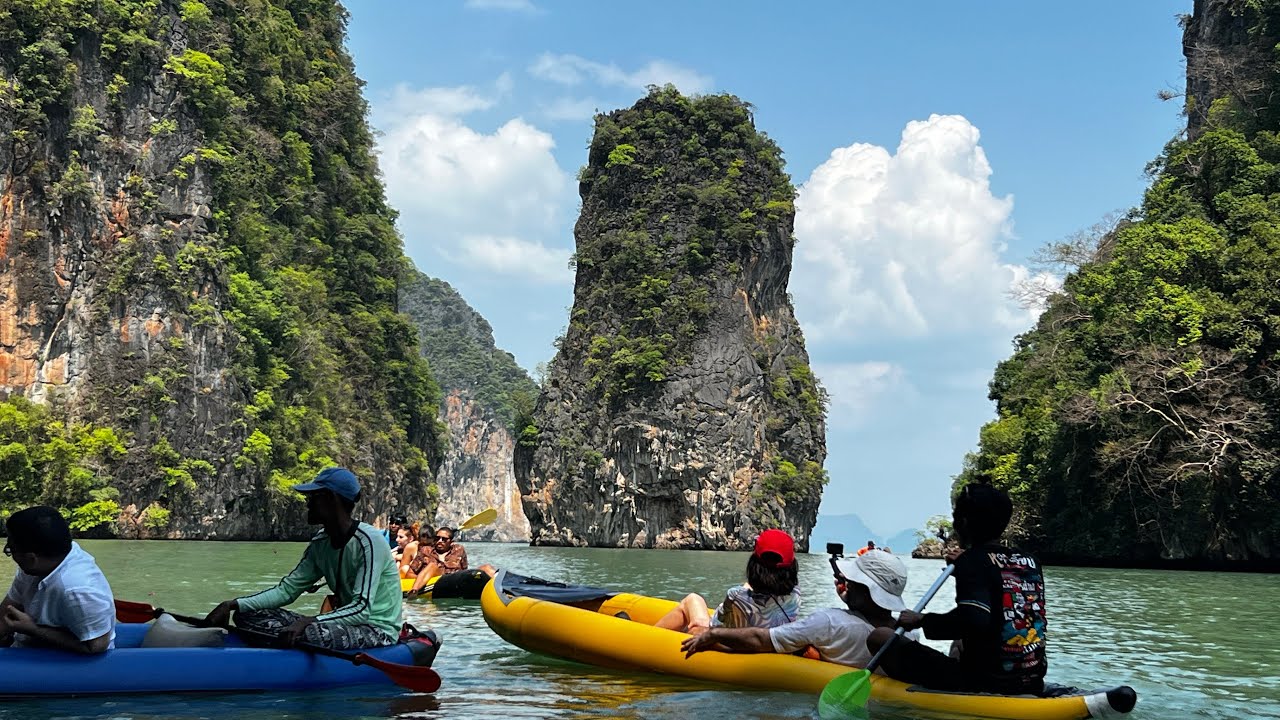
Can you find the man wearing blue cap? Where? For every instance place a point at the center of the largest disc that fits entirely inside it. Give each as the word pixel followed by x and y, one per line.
pixel 353 560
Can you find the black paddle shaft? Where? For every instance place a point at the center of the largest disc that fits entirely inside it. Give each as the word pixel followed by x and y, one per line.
pixel 933 590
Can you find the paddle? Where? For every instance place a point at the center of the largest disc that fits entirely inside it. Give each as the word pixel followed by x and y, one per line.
pixel 412 677
pixel 484 517
pixel 846 694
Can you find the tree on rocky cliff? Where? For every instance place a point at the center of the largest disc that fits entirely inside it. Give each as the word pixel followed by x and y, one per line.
pixel 215 261
pixel 1139 419
pixel 680 409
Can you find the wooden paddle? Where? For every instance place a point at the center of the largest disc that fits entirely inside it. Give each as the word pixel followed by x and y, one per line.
pixel 412 677
pixel 845 695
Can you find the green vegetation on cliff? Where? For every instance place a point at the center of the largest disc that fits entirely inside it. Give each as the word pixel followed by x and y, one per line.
pixel 683 188
pixel 42 460
pixel 458 343
pixel 301 257
pixel 1140 418
pixel 312 248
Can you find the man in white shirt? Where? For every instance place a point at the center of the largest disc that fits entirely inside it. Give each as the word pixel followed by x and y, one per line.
pixel 871 586
pixel 59 597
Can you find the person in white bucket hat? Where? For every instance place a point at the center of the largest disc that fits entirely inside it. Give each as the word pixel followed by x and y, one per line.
pixel 871 586
pixel 882 574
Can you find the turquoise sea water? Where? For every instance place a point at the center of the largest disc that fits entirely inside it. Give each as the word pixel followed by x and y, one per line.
pixel 1195 645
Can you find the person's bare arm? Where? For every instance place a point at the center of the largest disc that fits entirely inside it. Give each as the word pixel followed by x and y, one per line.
pixel 743 640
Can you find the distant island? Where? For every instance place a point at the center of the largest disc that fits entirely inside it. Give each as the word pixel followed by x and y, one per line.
pixel 854 533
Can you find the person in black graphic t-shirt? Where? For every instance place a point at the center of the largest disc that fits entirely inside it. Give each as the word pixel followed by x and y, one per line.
pixel 998 624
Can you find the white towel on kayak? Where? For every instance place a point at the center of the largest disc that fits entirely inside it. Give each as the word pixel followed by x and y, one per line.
pixel 168 632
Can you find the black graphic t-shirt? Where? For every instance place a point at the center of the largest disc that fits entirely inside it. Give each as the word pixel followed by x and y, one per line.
pixel 999 618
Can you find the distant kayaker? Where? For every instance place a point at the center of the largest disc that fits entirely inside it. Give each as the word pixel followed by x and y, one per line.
pixel 871 545
pixel 445 557
pixel 768 599
pixel 999 618
pixel 59 598
pixel 871 586
pixel 353 560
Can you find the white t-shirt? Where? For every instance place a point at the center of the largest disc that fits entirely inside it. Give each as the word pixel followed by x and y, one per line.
pixel 75 597
pixel 839 635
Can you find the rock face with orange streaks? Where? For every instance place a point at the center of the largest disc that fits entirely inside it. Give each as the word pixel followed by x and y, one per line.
pixel 483 388
pixel 195 251
pixel 476 473
pixel 89 317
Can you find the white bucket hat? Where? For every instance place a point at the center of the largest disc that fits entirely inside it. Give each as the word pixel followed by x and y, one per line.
pixel 882 573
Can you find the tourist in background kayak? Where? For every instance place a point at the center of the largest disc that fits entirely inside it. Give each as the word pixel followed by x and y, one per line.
pixel 445 557
pixel 871 586
pixel 394 523
pixel 352 559
pixel 768 599
pixel 406 554
pixel 405 537
pixel 999 619
pixel 59 598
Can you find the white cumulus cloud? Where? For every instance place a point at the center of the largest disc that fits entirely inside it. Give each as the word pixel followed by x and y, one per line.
pixel 507 255
pixel 575 70
pixel 906 243
pixel 856 389
pixel 453 183
pixel 451 101
pixel 571 108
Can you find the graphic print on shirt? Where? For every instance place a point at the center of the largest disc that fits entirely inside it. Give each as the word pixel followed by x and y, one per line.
pixel 1022 602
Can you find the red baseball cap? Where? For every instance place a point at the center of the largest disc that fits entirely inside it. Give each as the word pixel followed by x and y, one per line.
pixel 777 542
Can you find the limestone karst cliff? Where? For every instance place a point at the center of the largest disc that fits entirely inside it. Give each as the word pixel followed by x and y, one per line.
pixel 484 392
pixel 1229 56
pixel 198 271
pixel 1137 421
pixel 679 410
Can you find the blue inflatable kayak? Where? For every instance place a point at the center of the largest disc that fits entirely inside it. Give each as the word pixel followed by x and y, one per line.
pixel 130 668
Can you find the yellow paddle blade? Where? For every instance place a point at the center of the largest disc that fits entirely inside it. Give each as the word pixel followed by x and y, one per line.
pixel 483 517
pixel 845 696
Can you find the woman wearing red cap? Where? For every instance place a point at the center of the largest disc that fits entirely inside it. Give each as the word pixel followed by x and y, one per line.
pixel 768 599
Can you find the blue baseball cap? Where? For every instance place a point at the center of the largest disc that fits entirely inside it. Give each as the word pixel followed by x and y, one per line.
pixel 338 479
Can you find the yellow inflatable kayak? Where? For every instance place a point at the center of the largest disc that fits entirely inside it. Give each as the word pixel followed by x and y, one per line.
pixel 466 585
pixel 614 630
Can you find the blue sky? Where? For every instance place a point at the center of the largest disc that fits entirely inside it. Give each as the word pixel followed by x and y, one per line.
pixel 936 146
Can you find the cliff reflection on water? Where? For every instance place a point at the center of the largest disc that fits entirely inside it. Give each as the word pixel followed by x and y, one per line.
pixel 1194 644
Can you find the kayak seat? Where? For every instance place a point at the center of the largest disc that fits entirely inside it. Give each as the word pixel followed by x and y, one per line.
pixel 168 632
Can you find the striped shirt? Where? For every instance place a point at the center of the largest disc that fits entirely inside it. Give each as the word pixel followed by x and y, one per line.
pixel 361 573
pixel 744 607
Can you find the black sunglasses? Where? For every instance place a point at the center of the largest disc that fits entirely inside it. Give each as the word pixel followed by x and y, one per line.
pixel 444 537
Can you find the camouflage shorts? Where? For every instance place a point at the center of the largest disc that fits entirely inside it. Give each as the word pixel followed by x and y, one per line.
pixel 329 635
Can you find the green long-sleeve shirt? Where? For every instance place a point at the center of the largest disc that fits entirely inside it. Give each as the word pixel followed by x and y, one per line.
pixel 361 573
